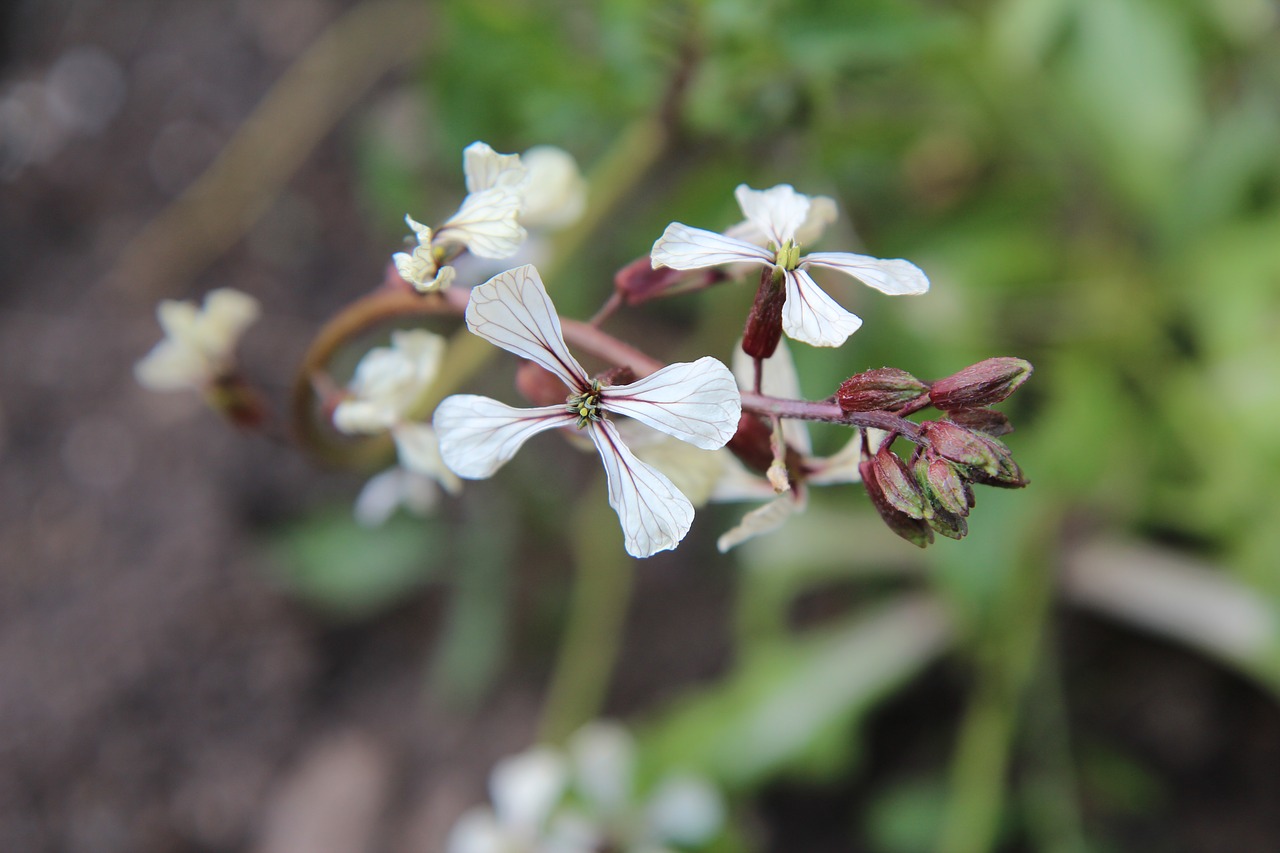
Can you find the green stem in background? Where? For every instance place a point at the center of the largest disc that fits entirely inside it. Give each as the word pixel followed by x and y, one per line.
pixel 1006 661
pixel 603 577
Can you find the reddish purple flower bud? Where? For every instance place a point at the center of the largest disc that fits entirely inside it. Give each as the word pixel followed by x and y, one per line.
pixel 987 459
pixel 914 530
pixel 950 526
pixel 982 420
pixel 980 384
pixel 539 385
pixel 885 389
pixel 899 486
pixel 751 443
pixel 943 486
pixel 764 323
pixel 238 402
pixel 639 282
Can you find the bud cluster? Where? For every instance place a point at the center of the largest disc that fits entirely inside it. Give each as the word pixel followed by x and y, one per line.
pixel 933 493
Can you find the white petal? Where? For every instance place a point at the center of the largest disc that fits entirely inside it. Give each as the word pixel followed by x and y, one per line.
pixel 526 787
pixel 653 513
pixel 227 314
pixel 485 168
pixel 604 756
pixel 555 195
pixel 694 472
pixel 390 490
pixel 822 212
pixel 685 810
pixel 761 520
pixel 778 212
pixel 683 248
pixel 778 378
pixel 477 831
pixel 420 231
pixel 487 223
pixel 419 452
pixel 513 311
pixel 697 402
pixel 841 466
pixel 418 268
pixel 363 417
pixel 895 277
pixel 180 320
pixel 739 483
pixel 478 435
pixel 811 316
pixel 171 366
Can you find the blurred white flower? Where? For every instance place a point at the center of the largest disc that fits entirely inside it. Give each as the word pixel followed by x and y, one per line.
pixel 486 224
pixel 555 194
pixel 199 343
pixel 547 801
pixel 696 402
pixel 386 386
pixel 779 215
pixel 392 489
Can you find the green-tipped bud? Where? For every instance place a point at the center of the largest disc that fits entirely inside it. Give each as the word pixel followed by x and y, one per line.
pixel 899 486
pixel 980 384
pixel 943 485
pixel 914 530
pixel 950 526
pixel 883 390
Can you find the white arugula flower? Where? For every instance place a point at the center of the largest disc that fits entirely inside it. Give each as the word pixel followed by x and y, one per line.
pixel 696 402
pixel 525 789
pixel 779 214
pixel 486 224
pixel 199 344
pixel 387 384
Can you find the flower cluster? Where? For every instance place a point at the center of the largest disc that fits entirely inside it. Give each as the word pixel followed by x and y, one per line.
pixel 584 800
pixel 670 436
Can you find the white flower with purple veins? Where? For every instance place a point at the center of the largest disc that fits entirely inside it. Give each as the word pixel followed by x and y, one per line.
pixel 697 402
pixel 387 385
pixel 780 213
pixel 199 343
pixel 487 224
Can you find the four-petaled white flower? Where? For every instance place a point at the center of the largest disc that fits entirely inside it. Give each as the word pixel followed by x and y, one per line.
pixel 696 402
pixel 808 314
pixel 199 343
pixel 387 384
pixel 487 223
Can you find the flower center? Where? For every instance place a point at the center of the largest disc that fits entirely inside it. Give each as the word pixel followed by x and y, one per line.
pixel 586 405
pixel 788 255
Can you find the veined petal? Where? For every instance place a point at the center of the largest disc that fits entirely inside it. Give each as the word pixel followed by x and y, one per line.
pixel 420 231
pixel 811 316
pixel 695 472
pixel 485 168
pixel 761 520
pixel 697 402
pixel 895 277
pixel 513 311
pixel 822 212
pixel 486 223
pixel 418 268
pixel 419 452
pixel 778 211
pixel 655 516
pixel 683 248
pixel 478 435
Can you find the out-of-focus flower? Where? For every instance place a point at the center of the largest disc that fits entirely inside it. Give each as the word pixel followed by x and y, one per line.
pixel 555 193
pixel 696 402
pixel 198 348
pixel 525 789
pixel 779 214
pixel 486 224
pixel 545 801
pixel 392 489
pixel 386 386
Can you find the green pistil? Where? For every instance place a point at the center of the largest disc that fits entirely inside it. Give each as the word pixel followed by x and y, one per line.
pixel 789 255
pixel 586 405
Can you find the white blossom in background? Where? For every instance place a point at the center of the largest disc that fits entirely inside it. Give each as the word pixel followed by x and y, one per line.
pixel 779 378
pixel 779 214
pixel 555 192
pixel 199 344
pixel 387 384
pixel 487 224
pixel 524 790
pixel 584 800
pixel 696 402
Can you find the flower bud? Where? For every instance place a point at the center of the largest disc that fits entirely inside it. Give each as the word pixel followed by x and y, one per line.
pixel 950 526
pixel 237 401
pixel 639 282
pixel 539 385
pixel 980 384
pixel 764 323
pixel 899 486
pixel 914 530
pixel 751 443
pixel 987 458
pixel 883 390
pixel 943 485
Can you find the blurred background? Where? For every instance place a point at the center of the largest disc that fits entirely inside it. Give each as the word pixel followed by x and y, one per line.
pixel 201 651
